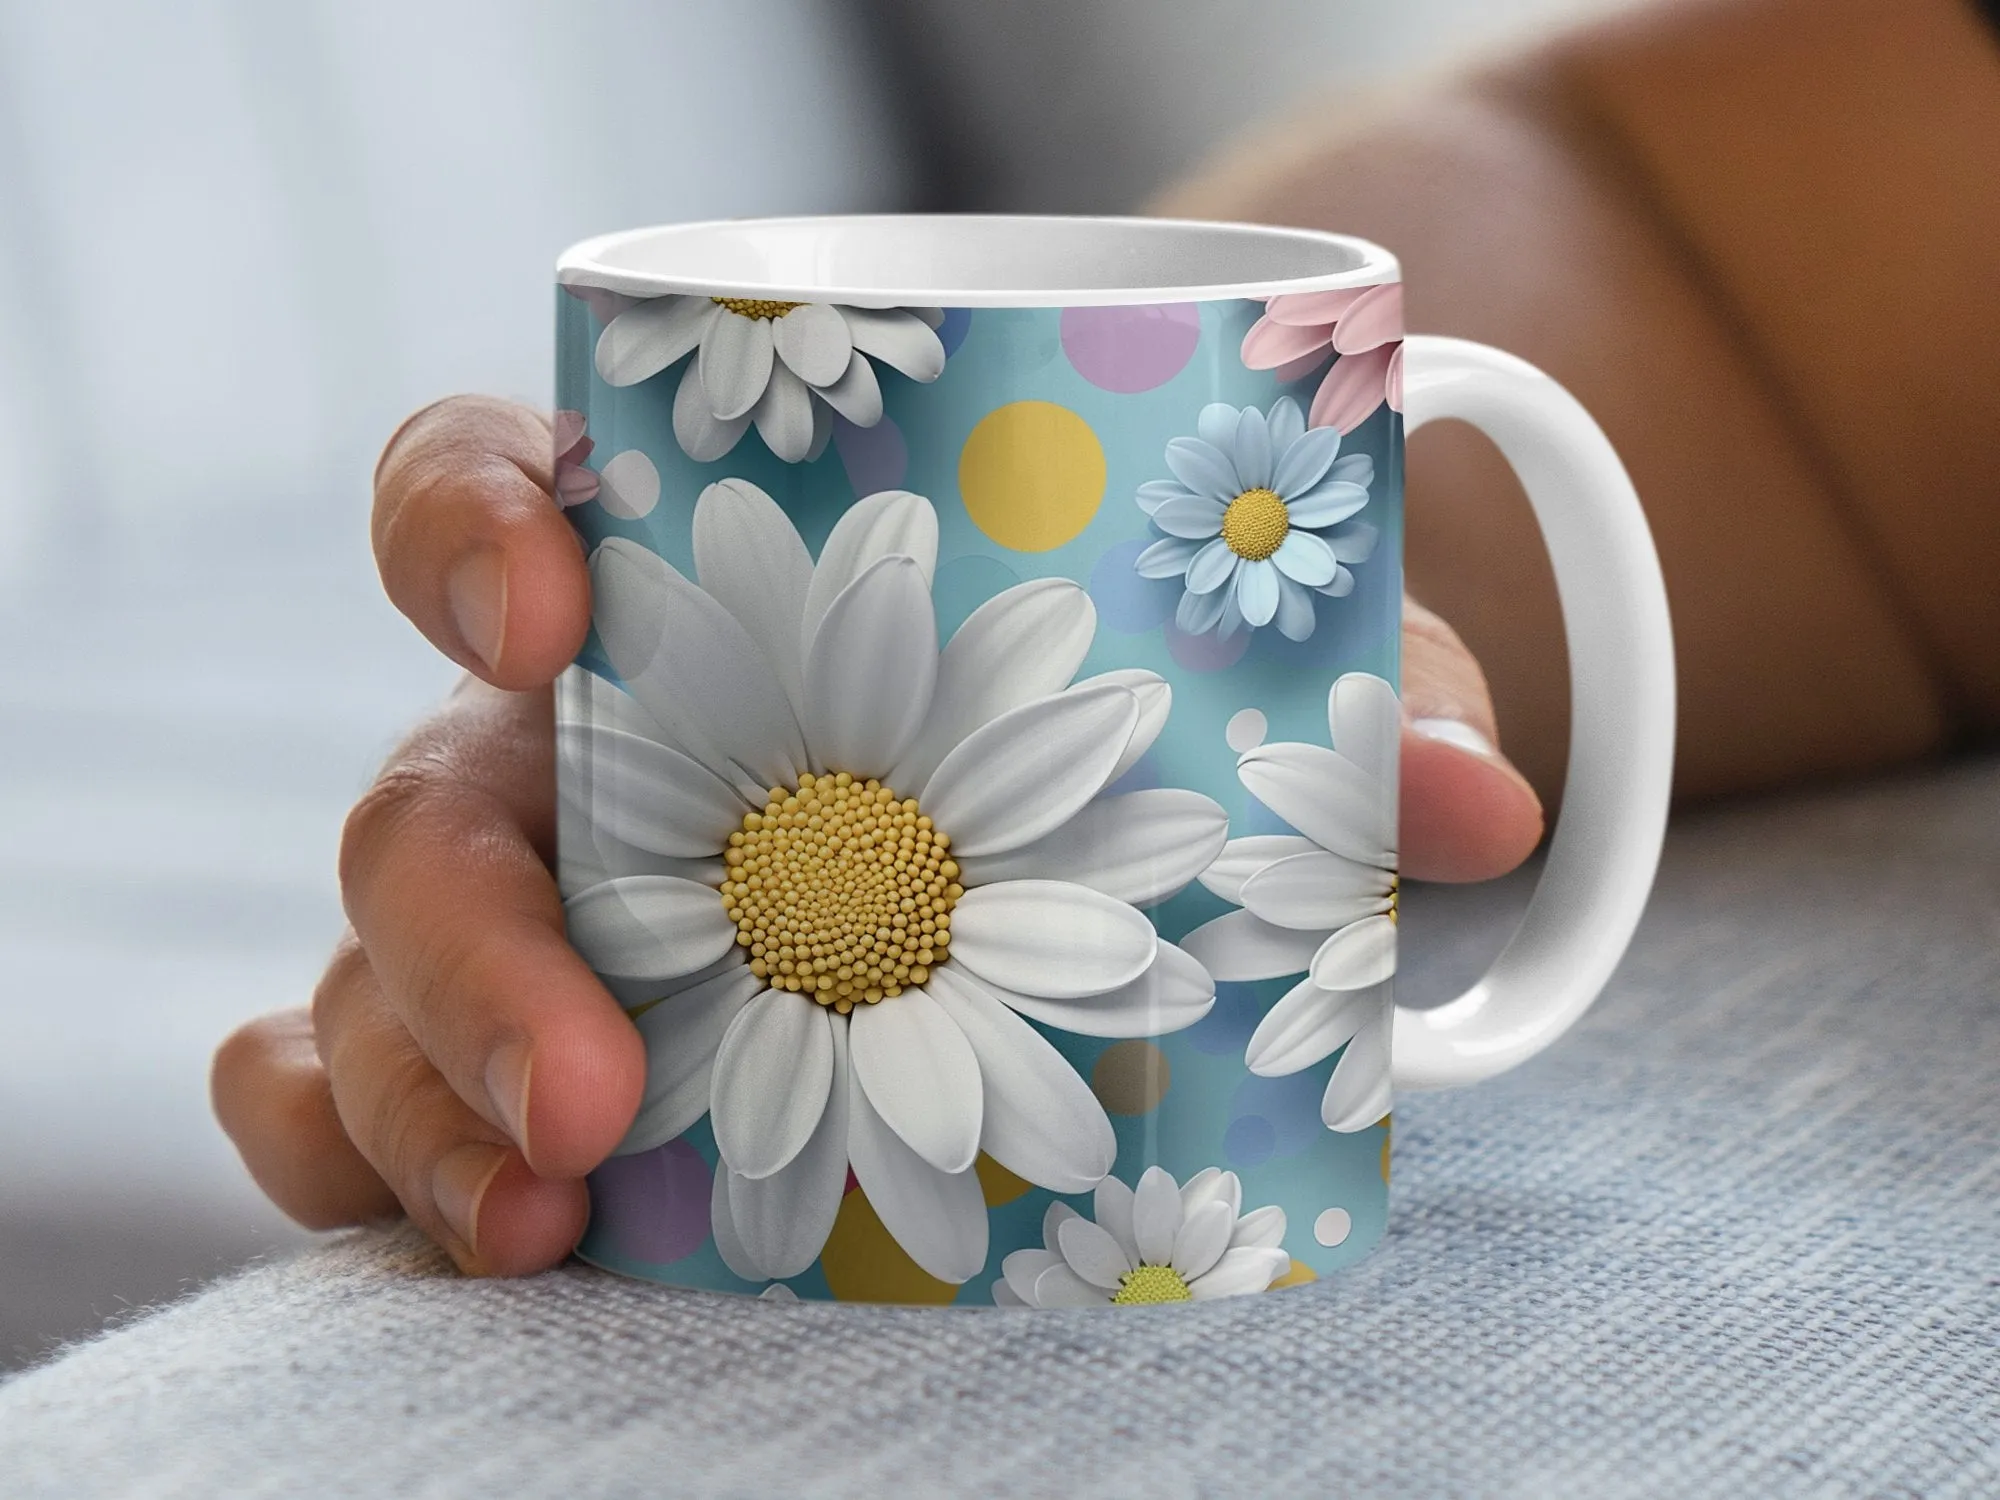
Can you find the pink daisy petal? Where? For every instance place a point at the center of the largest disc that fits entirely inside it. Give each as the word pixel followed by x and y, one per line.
pixel 1304 365
pixel 569 429
pixel 1394 384
pixel 1268 344
pixel 1307 308
pixel 1353 388
pixel 1375 319
pixel 575 485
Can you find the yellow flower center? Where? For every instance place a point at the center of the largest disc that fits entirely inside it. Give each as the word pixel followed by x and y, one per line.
pixel 841 890
pixel 755 307
pixel 1152 1284
pixel 1255 523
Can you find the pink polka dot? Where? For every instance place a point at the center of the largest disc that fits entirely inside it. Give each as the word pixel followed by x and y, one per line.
pixel 653 1206
pixel 1204 653
pixel 1129 349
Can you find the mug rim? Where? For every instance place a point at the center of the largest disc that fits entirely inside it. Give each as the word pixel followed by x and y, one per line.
pixel 801 258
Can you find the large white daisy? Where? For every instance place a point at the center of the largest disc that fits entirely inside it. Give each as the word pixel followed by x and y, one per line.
pixel 1160 1243
pixel 1322 901
pixel 787 366
pixel 846 864
pixel 1252 520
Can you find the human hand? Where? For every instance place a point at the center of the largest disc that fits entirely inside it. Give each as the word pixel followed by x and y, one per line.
pixel 459 1063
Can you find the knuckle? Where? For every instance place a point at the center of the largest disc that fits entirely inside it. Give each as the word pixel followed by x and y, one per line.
pixel 383 815
pixel 337 987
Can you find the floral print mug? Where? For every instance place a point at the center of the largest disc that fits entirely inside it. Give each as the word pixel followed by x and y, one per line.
pixel 980 781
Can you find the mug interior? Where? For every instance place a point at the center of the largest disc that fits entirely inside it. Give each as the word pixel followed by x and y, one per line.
pixel 975 260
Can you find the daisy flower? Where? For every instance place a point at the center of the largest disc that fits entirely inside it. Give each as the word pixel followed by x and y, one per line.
pixel 787 366
pixel 1322 901
pixel 1363 326
pixel 1247 517
pixel 1158 1243
pixel 843 866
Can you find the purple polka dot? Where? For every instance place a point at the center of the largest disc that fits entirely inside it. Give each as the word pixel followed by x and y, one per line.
pixel 1205 653
pixel 1126 602
pixel 1287 1108
pixel 951 332
pixel 1129 349
pixel 876 458
pixel 653 1206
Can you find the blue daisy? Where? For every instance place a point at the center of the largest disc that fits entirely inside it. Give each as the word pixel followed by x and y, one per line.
pixel 1253 520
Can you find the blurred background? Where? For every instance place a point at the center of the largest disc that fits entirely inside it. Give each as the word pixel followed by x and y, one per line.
pixel 238 241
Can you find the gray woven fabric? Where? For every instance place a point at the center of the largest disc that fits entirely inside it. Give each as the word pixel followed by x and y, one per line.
pixel 1739 1235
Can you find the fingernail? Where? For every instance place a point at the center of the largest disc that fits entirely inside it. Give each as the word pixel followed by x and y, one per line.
pixel 1454 732
pixel 508 1072
pixel 459 1182
pixel 477 590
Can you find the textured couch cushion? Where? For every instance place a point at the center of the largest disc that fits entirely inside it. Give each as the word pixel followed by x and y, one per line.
pixel 1736 1236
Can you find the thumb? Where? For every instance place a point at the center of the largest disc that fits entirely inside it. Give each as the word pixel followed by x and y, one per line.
pixel 1467 814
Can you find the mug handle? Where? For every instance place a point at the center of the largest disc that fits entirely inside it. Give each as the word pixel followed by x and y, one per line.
pixel 1606 845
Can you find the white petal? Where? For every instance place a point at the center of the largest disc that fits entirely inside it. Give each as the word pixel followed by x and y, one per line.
pixel 784 416
pixel 1005 1296
pixel 1304 462
pixel 856 395
pixel 1260 1229
pixel 751 560
pixel 1353 468
pixel 1288 425
pixel 1296 618
pixel 1240 1271
pixel 1307 1024
pixel 1354 543
pixel 773 1073
pixel 1030 770
pixel 783 1220
pixel 1204 1236
pixel 1156 1216
pixel 695 668
pixel 729 1244
pixel 1021 644
pixel 1197 517
pixel 822 430
pixel 899 339
pixel 1140 847
pixel 1242 858
pixel 1050 938
pixel 629 485
pixel 1094 1255
pixel 649 926
pixel 1021 1268
pixel 1327 797
pixel 703 435
pixel 777 1291
pixel 1204 468
pixel 643 340
pixel 1052 1221
pixel 1059 1286
pixel 939 1218
pixel 1327 505
pixel 682 1034
pixel 813 340
pixel 1216 424
pixel 735 363
pixel 1305 558
pixel 645 794
pixel 1168 557
pixel 1366 722
pixel 932 317
pixel 1358 955
pixel 1316 892
pixel 1173 994
pixel 1340 588
pixel 1211 1185
pixel 1257 592
pixel 1156 702
pixel 1198 614
pixel 1358 1094
pixel 870 670
pixel 883 525
pixel 1211 567
pixel 922 1076
pixel 1041 1121
pixel 1113 1209
pixel 1241 946
pixel 1251 450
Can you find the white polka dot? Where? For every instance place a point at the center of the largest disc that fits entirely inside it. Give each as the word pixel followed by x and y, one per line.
pixel 1246 730
pixel 629 485
pixel 1333 1226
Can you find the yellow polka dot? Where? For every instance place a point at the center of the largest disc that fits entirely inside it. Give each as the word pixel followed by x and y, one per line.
pixel 1299 1275
pixel 1131 1078
pixel 863 1262
pixel 1032 475
pixel 997 1183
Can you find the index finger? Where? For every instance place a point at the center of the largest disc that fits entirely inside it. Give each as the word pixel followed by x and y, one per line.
pixel 472 545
